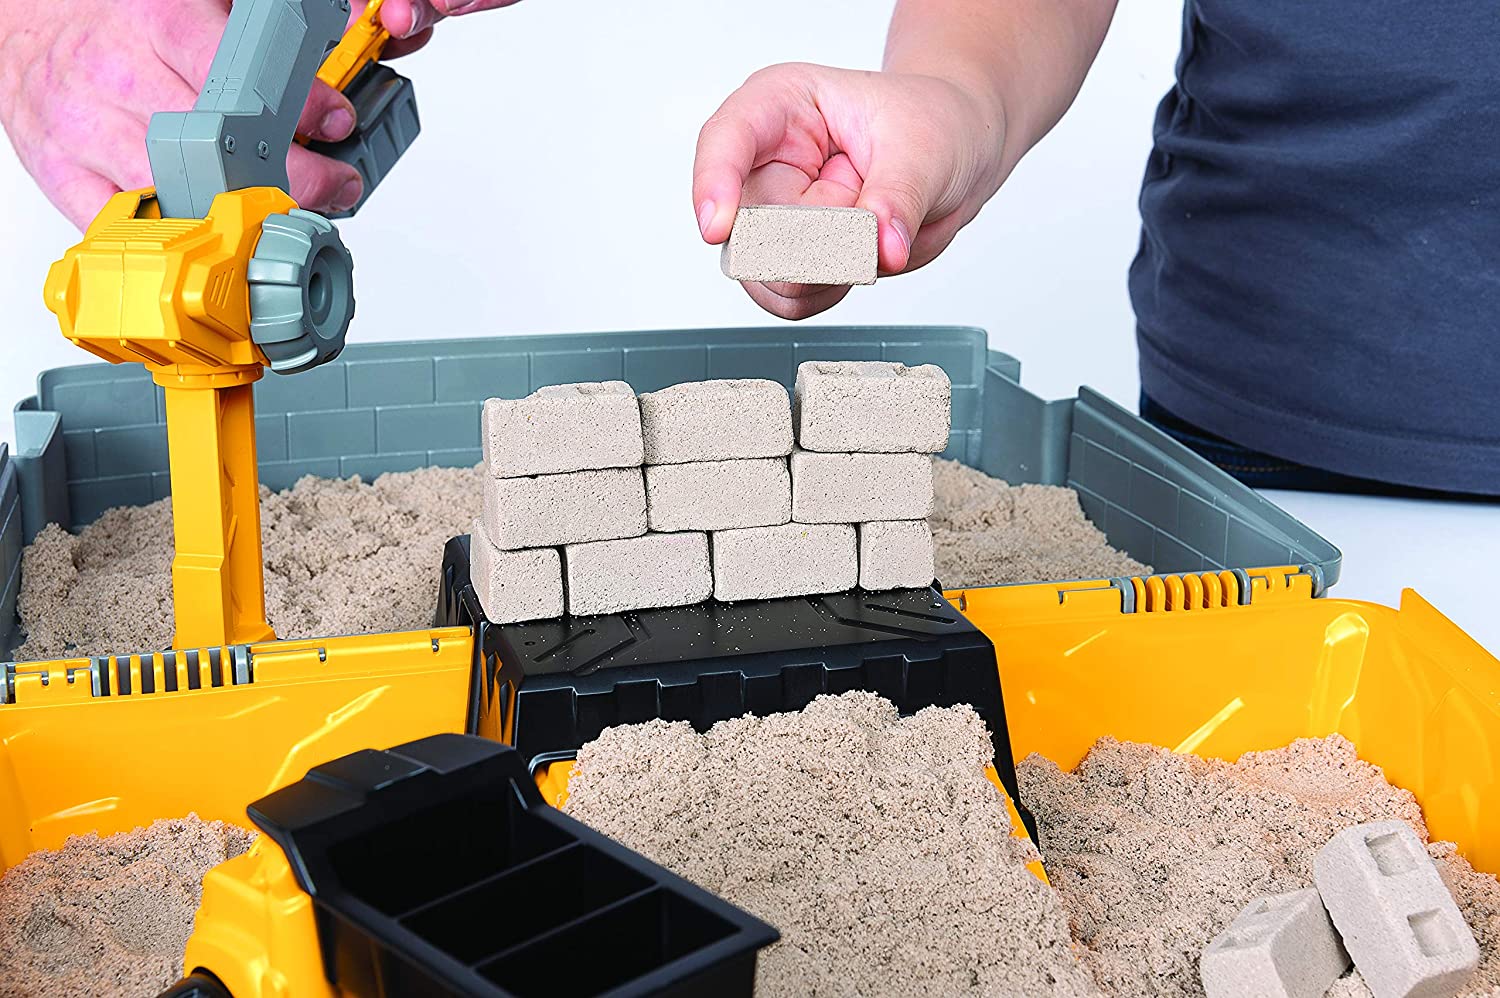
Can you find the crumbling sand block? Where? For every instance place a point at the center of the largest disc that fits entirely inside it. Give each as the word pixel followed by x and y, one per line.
pixel 867 405
pixel 718 495
pixel 1281 946
pixel 562 428
pixel 514 585
pixel 793 559
pixel 551 510
pixel 896 554
pixel 802 244
pixel 638 573
pixel 857 488
pixel 1398 921
pixel 716 421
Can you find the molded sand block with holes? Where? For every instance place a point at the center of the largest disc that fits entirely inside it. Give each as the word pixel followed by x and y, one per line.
pixel 1398 921
pixel 563 428
pixel 1282 946
pixel 514 585
pixel 793 559
pixel 896 554
pixel 802 244
pixel 638 573
pixel 856 488
pixel 550 510
pixel 867 405
pixel 718 495
pixel 717 421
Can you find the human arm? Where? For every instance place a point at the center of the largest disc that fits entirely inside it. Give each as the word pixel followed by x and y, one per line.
pixel 967 87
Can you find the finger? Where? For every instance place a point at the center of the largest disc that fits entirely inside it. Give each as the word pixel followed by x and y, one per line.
pixel 408 18
pixel 397 47
pixel 934 237
pixel 900 188
pixel 327 116
pixel 185 37
pixel 321 184
pixel 456 8
pixel 116 149
pixel 79 194
pixel 742 134
pixel 795 308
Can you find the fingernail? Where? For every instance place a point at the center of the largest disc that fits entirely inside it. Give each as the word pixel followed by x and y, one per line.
pixel 337 124
pixel 706 212
pixel 902 234
pixel 348 195
pixel 421 18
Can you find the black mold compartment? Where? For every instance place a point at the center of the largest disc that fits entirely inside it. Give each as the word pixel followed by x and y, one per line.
pixel 435 868
pixel 550 686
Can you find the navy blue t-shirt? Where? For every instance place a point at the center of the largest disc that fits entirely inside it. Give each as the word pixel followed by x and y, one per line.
pixel 1319 269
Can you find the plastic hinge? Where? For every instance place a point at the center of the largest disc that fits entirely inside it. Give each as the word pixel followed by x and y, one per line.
pixel 1212 590
pixel 153 672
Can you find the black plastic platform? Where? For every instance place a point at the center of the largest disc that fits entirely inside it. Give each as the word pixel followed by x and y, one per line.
pixel 550 686
pixel 435 868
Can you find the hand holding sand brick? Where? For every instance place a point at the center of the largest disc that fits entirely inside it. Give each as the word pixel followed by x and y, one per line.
pixel 872 406
pixel 802 244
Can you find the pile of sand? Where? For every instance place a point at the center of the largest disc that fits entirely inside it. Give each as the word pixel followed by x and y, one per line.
pixel 346 557
pixel 108 916
pixel 873 842
pixel 1155 853
pixel 990 533
pixel 341 557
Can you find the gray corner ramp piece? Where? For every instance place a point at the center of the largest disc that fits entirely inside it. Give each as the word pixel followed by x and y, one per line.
pixel 1398 921
pixel 94 435
pixel 1282 946
pixel 238 132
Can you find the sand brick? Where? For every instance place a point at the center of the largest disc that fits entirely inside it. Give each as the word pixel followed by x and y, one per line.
pixel 896 554
pixel 803 244
pixel 1282 946
pixel 856 488
pixel 514 585
pixel 793 559
pixel 859 405
pixel 550 510
pixel 716 421
pixel 718 495
pixel 1399 922
pixel 638 573
pixel 562 428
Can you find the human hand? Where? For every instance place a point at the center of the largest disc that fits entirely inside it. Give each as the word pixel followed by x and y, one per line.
pixel 80 79
pixel 921 152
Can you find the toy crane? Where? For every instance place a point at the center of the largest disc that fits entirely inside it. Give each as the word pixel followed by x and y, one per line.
pixel 215 274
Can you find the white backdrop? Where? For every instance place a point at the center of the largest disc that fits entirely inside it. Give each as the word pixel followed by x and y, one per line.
pixel 549 192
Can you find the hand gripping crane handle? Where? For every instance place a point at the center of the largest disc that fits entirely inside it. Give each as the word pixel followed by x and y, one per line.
pixel 238 133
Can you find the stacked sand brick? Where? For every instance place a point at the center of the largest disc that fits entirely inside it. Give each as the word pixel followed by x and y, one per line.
pixel 598 502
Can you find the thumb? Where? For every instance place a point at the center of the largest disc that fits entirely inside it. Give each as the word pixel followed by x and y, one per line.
pixel 899 190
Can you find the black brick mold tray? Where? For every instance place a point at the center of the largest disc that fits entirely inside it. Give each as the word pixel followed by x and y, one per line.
pixel 435 868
